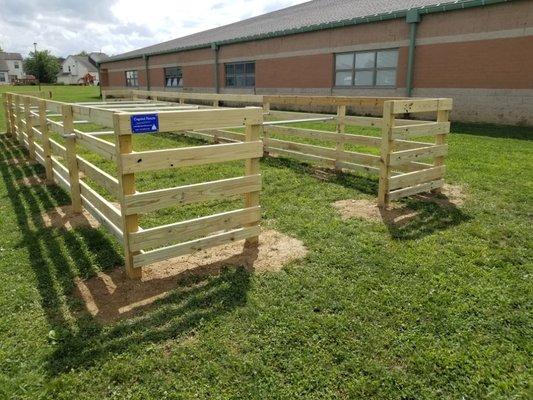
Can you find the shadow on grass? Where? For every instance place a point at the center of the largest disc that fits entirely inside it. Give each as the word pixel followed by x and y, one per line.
pixel 58 257
pixel 361 183
pixel 495 131
pixel 421 216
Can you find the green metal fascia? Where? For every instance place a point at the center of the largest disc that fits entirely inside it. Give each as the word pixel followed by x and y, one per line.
pixel 329 25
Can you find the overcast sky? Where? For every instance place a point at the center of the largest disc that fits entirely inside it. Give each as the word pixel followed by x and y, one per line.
pixel 115 26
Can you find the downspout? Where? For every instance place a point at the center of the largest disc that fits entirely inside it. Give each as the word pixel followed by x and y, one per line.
pixel 146 57
pixel 412 18
pixel 215 48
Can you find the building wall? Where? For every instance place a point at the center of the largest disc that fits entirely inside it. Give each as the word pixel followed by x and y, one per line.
pixel 482 57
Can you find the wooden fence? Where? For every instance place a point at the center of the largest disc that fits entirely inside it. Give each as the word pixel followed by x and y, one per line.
pixel 405 166
pixel 31 120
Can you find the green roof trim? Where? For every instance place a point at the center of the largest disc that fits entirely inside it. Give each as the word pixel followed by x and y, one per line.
pixel 330 25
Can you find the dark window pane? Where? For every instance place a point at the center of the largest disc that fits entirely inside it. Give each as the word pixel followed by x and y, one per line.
pixel 239 68
pixel 365 59
pixel 344 61
pixel 343 78
pixel 364 78
pixel 229 69
pixel 250 68
pixel 387 59
pixel 230 81
pixel 386 78
pixel 239 80
pixel 250 80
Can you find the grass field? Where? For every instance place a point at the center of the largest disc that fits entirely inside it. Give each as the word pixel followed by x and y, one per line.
pixel 440 308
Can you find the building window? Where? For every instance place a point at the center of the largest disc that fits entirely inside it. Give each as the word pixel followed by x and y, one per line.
pixel 173 77
pixel 366 68
pixel 2 77
pixel 17 65
pixel 132 78
pixel 240 74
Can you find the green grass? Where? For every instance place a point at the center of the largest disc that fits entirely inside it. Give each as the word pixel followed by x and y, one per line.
pixel 440 308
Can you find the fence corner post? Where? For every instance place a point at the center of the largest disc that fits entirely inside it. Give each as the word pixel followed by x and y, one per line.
pixel 386 149
pixel 253 132
pixel 130 223
pixel 47 150
pixel 7 106
pixel 442 116
pixel 29 127
pixel 71 161
pixel 341 128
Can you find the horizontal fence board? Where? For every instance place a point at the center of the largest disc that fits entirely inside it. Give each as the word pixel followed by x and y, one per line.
pixel 99 146
pixel 358 167
pixel 101 177
pixel 37 133
pixel 420 105
pixel 104 207
pixel 348 156
pixel 94 115
pixel 417 177
pixel 187 230
pixel 244 98
pixel 225 134
pixel 165 253
pixel 327 100
pixel 325 135
pixel 427 129
pixel 58 149
pixel 406 156
pixel 424 187
pixel 39 150
pixel 329 162
pixel 55 126
pixel 189 156
pixel 96 213
pixel 141 203
pixel 174 121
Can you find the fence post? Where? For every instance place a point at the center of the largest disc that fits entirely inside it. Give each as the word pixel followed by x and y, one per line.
pixel 387 146
pixel 215 103
pixel 252 167
pixel 341 127
pixel 47 150
pixel 18 115
pixel 29 125
pixel 442 116
pixel 71 161
pixel 104 95
pixel 11 116
pixel 130 223
pixel 6 109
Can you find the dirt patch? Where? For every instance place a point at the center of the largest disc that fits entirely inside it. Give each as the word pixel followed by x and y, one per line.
pixel 398 214
pixel 451 196
pixel 64 218
pixel 368 210
pixel 33 181
pixel 110 296
pixel 20 161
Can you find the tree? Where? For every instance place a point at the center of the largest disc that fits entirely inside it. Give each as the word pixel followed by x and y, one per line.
pixel 83 53
pixel 43 65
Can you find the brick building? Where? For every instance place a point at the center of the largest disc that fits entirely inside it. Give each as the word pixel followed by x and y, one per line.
pixel 479 52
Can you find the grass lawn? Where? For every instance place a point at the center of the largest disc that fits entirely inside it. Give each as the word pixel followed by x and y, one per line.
pixel 440 308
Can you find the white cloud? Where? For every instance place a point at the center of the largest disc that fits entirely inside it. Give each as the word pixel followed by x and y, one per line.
pixel 69 26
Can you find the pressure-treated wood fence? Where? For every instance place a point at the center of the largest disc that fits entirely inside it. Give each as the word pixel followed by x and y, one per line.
pixel 31 119
pixel 405 166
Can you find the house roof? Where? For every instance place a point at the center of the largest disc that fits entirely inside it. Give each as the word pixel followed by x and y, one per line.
pixel 84 60
pixel 10 56
pixel 305 17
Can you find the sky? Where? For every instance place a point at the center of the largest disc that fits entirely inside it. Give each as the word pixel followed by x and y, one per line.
pixel 115 26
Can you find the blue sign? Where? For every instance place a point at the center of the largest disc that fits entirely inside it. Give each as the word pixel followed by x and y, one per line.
pixel 146 123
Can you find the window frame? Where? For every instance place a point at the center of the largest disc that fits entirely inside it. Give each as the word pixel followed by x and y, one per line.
pixel 3 76
pixel 128 80
pixel 375 69
pixel 166 75
pixel 245 75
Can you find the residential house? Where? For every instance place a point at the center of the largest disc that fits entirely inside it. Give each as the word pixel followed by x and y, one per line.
pixel 11 68
pixel 81 70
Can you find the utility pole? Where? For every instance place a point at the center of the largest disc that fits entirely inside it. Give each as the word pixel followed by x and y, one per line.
pixel 37 65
